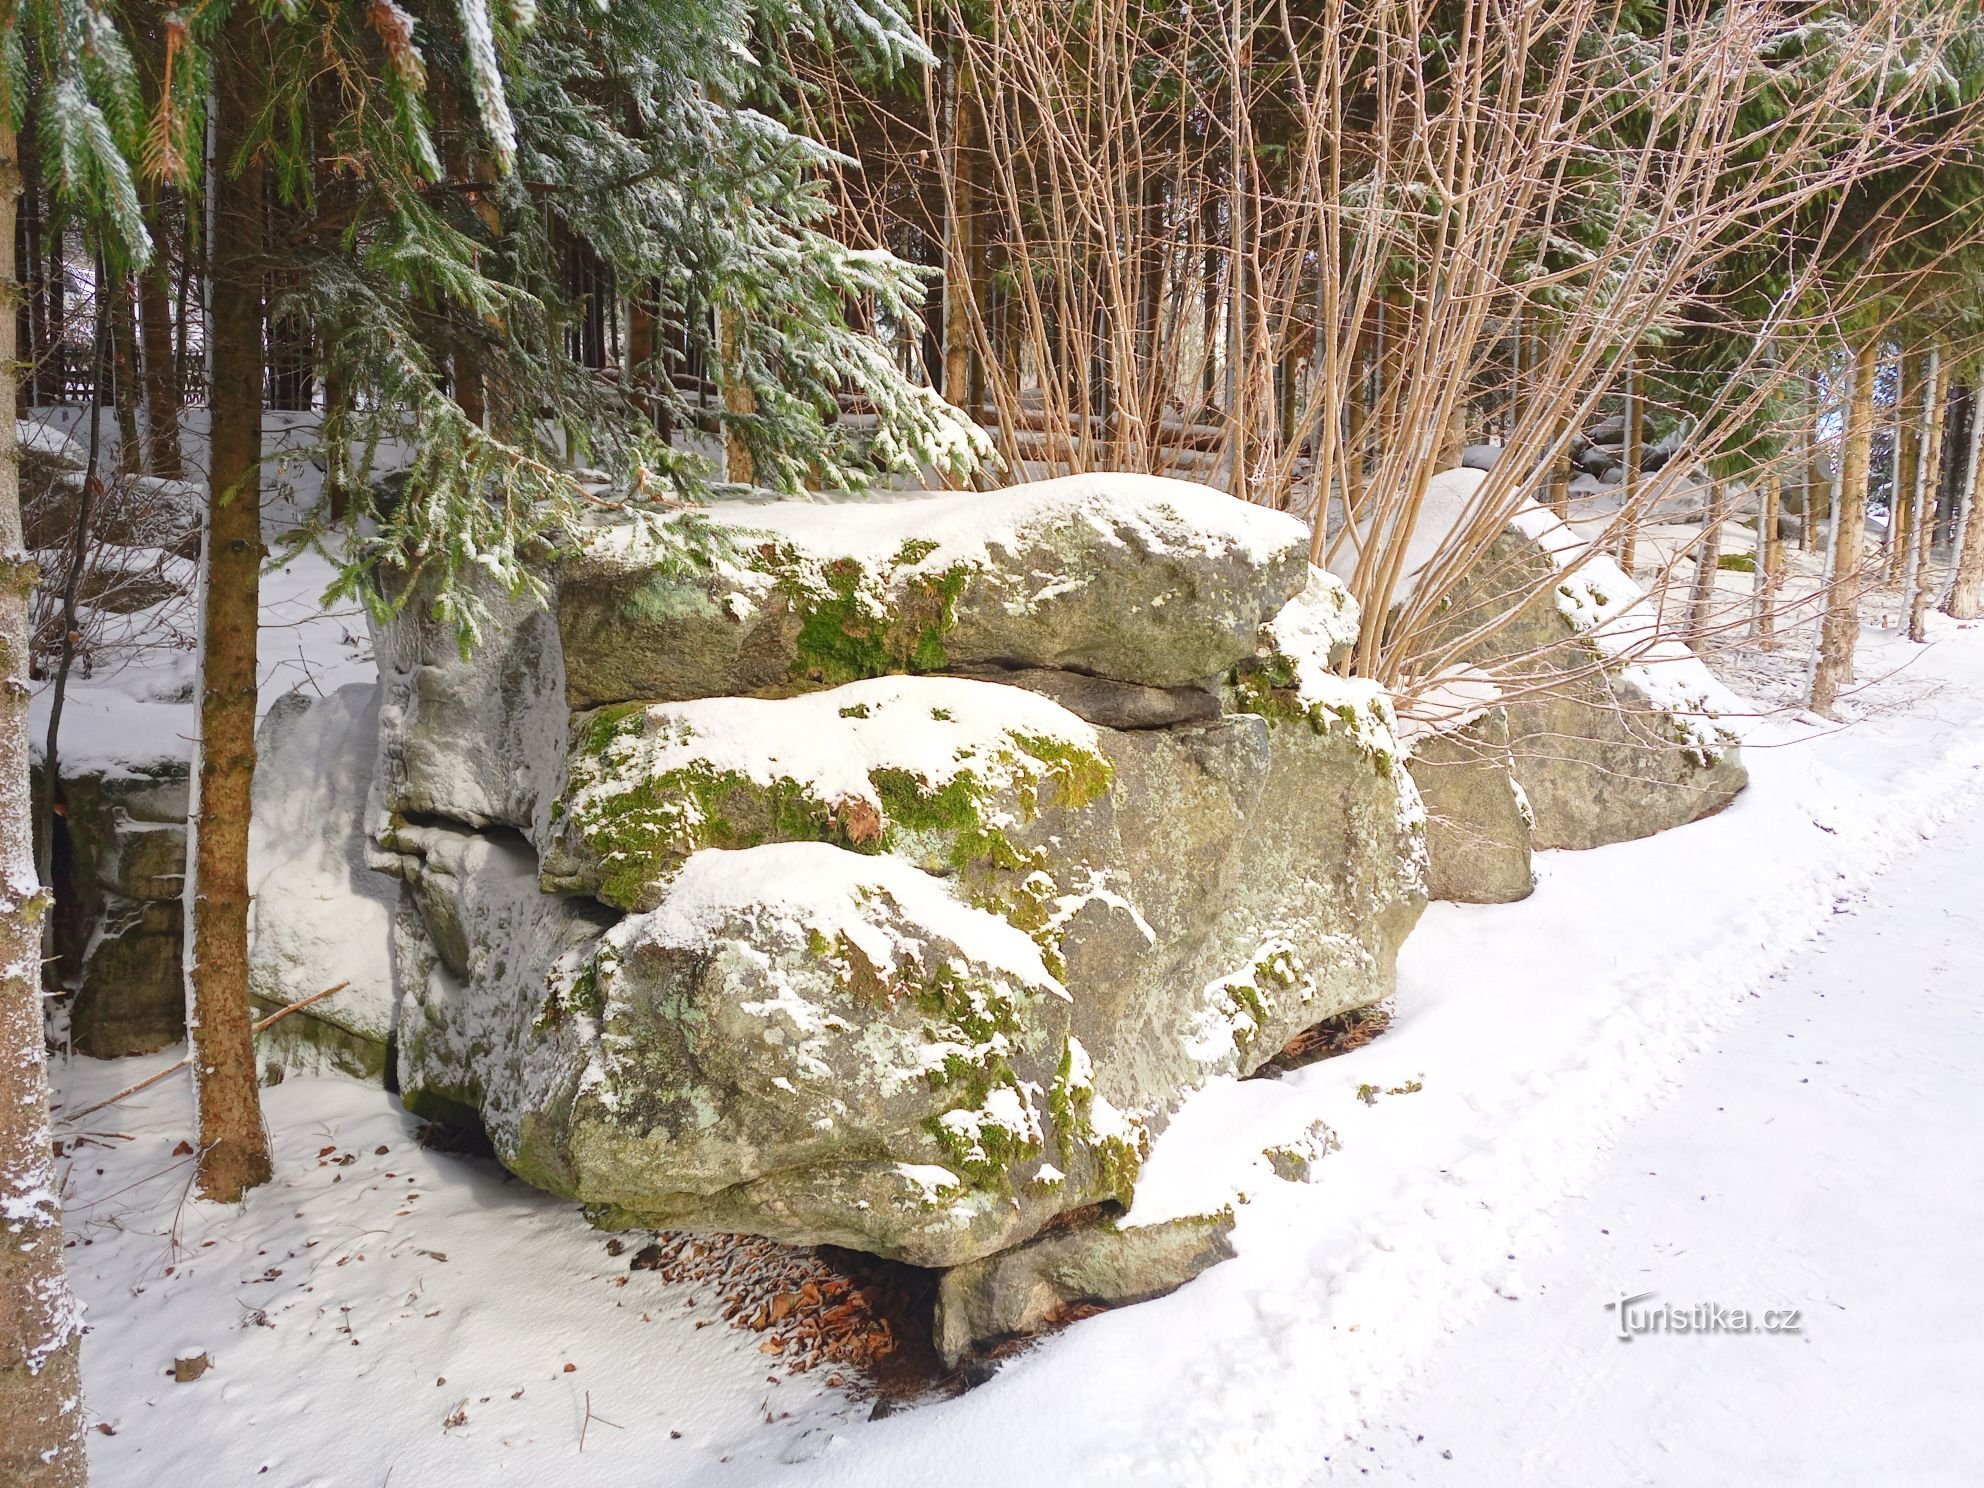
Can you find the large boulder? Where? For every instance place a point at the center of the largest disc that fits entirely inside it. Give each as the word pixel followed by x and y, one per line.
pixel 1614 728
pixel 1133 578
pixel 994 990
pixel 1140 591
pixel 916 963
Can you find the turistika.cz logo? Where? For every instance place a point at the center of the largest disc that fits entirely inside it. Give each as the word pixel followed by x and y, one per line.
pixel 1635 1320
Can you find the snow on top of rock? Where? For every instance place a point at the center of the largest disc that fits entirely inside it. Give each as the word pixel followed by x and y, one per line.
pixel 51 440
pixel 932 727
pixel 963 527
pixel 1450 498
pixel 1310 626
pixel 804 889
pixel 1449 702
pixel 1601 601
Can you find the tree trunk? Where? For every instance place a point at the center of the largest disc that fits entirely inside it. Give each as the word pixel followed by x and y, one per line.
pixel 1770 562
pixel 961 248
pixel 1708 562
pixel 1557 495
pixel 1817 479
pixel 1909 389
pixel 1965 601
pixel 162 453
pixel 738 399
pixel 1839 629
pixel 234 1148
pixel 1635 456
pixel 41 1416
pixel 1922 521
pixel 124 367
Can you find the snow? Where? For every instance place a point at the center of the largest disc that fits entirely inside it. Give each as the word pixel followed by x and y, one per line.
pixel 963 527
pixel 320 915
pixel 832 742
pixel 817 887
pixel 1450 703
pixel 1777 1177
pixel 138 705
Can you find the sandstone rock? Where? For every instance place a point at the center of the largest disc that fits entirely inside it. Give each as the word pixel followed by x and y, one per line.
pixel 1478 822
pixel 472 739
pixel 1117 705
pixel 1023 1290
pixel 1132 578
pixel 930 768
pixel 859 1069
pixel 1158 585
pixel 1296 1161
pixel 320 915
pixel 916 963
pixel 1613 728
pixel 119 866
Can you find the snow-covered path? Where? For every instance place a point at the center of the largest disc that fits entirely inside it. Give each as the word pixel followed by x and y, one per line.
pixel 1826 1155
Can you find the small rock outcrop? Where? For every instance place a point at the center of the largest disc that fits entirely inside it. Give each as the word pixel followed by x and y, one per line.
pixel 1478 821
pixel 1035 1285
pixel 119 859
pixel 885 876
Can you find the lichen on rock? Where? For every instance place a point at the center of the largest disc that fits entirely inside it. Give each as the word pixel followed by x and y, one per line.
pixel 933 769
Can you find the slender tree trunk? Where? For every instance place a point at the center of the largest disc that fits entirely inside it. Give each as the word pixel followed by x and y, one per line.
pixel 1817 479
pixel 1922 523
pixel 1357 420
pixel 1909 388
pixel 1770 562
pixel 1708 562
pixel 41 1408
pixel 1839 629
pixel 961 239
pixel 234 1148
pixel 162 452
pixel 1635 457
pixel 738 399
pixel 1965 601
pixel 1558 493
pixel 124 367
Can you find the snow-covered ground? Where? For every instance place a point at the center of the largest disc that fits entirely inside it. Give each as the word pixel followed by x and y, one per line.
pixel 137 704
pixel 386 1314
pixel 1823 1157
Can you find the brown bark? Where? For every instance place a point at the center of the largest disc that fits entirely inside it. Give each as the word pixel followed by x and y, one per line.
pixel 1907 420
pixel 1557 495
pixel 234 1149
pixel 41 1417
pixel 1922 499
pixel 124 369
pixel 1770 562
pixel 1708 562
pixel 1635 456
pixel 738 398
pixel 1817 481
pixel 1966 597
pixel 1839 629
pixel 961 247
pixel 162 452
